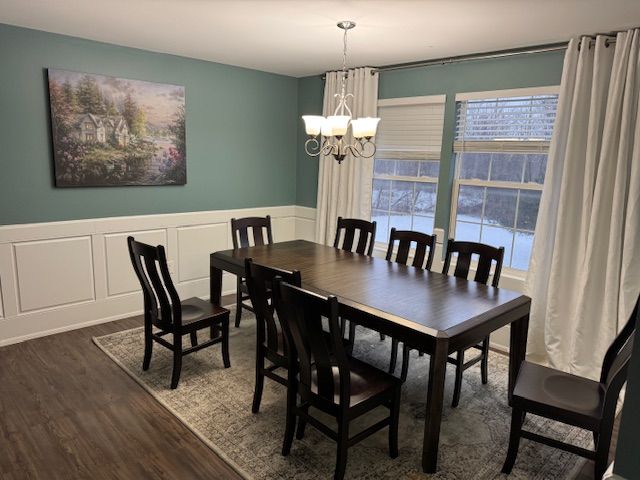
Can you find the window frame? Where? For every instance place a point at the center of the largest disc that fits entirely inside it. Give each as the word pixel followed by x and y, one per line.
pixel 401 101
pixel 536 147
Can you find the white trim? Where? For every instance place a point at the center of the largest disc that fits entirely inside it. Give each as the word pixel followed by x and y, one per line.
pixel 110 266
pixel 511 92
pixel 421 100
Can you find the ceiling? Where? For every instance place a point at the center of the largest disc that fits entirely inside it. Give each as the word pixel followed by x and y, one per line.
pixel 299 37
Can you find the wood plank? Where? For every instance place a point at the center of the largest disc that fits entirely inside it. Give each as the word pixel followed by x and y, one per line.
pixel 68 411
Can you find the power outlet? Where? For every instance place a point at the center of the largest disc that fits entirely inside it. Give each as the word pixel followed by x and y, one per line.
pixel 172 267
pixel 439 233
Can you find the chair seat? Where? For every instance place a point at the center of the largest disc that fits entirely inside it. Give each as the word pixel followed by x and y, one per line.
pixel 366 380
pixel 196 310
pixel 579 399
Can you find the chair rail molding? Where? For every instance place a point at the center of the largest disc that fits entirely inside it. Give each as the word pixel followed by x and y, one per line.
pixel 59 276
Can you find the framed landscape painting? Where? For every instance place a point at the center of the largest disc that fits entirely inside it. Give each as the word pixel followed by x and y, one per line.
pixel 110 131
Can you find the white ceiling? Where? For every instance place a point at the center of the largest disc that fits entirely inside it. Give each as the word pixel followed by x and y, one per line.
pixel 299 37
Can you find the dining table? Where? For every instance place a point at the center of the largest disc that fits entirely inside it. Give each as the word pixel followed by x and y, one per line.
pixel 435 313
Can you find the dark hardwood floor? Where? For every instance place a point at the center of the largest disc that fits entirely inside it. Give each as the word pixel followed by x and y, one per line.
pixel 68 412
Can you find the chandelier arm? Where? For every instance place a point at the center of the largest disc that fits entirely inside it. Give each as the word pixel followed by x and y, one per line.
pixel 311 149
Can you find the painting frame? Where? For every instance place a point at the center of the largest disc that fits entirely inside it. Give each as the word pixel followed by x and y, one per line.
pixel 109 131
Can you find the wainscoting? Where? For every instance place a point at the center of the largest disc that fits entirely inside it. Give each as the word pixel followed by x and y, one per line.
pixel 60 276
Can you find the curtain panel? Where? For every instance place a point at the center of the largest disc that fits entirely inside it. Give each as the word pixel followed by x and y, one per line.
pixel 344 190
pixel 584 276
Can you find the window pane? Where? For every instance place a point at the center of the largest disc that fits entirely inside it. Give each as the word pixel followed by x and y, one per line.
pixel 401 196
pixel 522 250
pixel 467 231
pixel 535 168
pixel 429 168
pixel 498 237
pixel 528 209
pixel 425 199
pixel 423 224
pixel 384 167
pixel 470 200
pixel 381 194
pixel 407 168
pixel 382 227
pixel 474 165
pixel 500 207
pixel 401 221
pixel 507 167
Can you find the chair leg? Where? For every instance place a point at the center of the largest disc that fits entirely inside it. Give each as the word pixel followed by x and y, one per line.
pixel 194 338
pixel 382 337
pixel 602 448
pixel 290 425
pixel 484 365
pixel 517 418
pixel 405 363
pixel 148 345
pixel 394 355
pixel 257 392
pixel 225 342
pixel 343 447
pixel 393 426
pixel 458 382
pixel 302 423
pixel 177 360
pixel 238 301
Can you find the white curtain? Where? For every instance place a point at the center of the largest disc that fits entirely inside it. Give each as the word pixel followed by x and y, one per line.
pixel 345 189
pixel 584 276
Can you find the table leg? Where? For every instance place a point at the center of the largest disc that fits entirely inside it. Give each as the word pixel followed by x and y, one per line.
pixel 435 394
pixel 517 350
pixel 215 285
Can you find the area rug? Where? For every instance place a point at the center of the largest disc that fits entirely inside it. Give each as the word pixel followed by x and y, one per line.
pixel 215 403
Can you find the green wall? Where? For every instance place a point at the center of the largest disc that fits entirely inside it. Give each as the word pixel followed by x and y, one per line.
pixel 514 72
pixel 241 132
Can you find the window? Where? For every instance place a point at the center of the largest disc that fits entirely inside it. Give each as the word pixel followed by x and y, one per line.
pixel 500 148
pixel 407 163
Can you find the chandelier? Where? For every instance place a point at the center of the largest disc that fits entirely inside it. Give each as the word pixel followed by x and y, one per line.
pixel 333 128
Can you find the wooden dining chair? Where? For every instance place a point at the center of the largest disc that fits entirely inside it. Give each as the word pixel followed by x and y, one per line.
pixel 241 239
pixel 329 379
pixel 486 256
pixel 346 230
pixel 164 310
pixel 424 247
pixel 345 235
pixel 272 340
pixel 573 400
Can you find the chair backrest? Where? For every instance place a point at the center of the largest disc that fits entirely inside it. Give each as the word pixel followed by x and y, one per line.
pixel 424 248
pixel 366 235
pixel 616 360
pixel 486 256
pixel 303 311
pixel 240 231
pixel 161 300
pixel 260 281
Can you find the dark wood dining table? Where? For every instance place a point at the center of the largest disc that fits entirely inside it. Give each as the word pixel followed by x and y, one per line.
pixel 435 313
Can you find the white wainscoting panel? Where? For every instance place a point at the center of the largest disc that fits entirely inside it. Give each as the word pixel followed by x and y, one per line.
pixel 54 272
pixel 57 276
pixel 195 244
pixel 120 276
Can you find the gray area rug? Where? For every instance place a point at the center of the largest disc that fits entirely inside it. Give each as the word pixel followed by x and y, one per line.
pixel 215 403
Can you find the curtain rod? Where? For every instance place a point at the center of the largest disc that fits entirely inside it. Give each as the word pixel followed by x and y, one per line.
pixel 549 47
pixel 552 47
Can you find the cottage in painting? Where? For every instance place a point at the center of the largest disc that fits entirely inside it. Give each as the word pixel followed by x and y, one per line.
pixel 90 128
